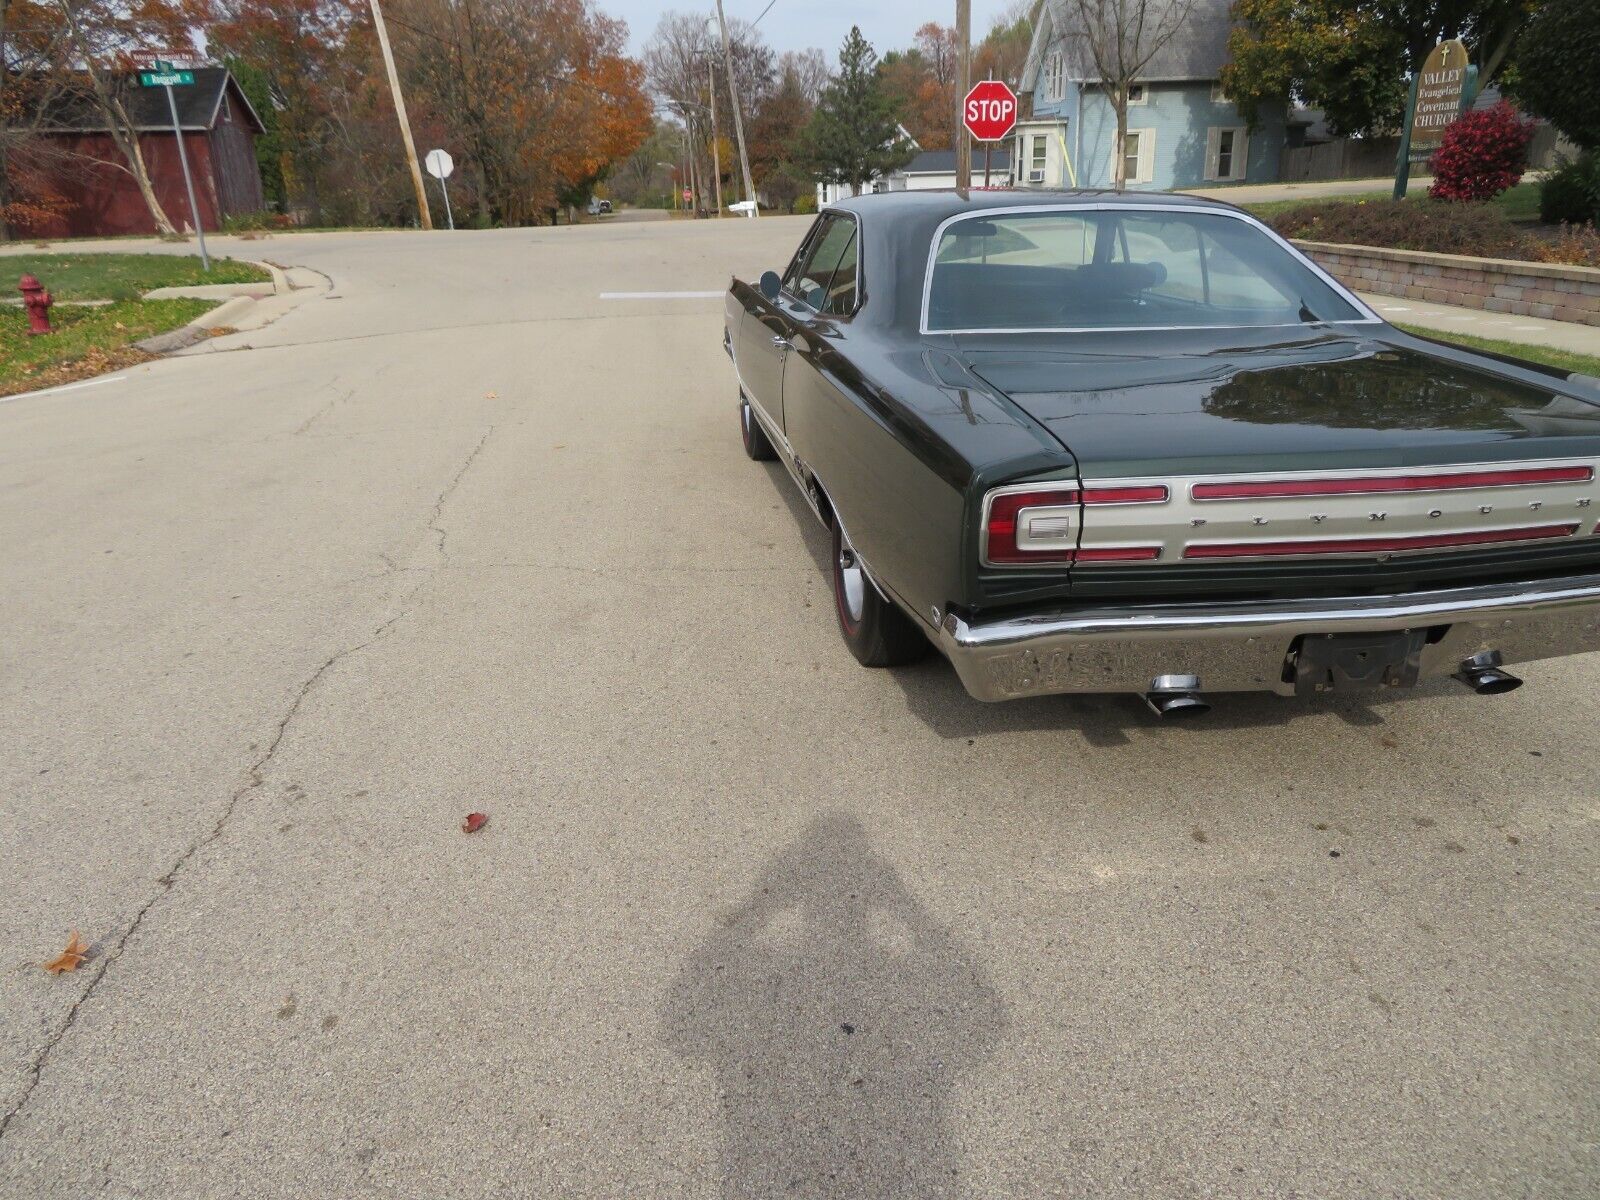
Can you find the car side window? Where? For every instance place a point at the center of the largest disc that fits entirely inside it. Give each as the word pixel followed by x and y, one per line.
pixel 841 299
pixel 812 284
pixel 800 255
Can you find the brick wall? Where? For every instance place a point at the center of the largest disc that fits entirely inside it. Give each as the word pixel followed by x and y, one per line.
pixel 1501 285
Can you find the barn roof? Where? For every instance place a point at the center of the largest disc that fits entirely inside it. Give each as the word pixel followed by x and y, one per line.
pixel 1198 51
pixel 199 105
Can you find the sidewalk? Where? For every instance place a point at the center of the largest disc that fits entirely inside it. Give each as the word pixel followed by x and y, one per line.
pixel 1447 318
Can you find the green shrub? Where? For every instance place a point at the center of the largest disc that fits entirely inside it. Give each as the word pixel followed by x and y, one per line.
pixel 1571 193
pixel 1439 228
pixel 804 203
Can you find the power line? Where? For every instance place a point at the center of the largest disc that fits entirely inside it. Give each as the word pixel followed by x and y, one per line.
pixel 764 12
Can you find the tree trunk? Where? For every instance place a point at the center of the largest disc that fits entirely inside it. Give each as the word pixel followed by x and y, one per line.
pixel 1119 173
pixel 128 144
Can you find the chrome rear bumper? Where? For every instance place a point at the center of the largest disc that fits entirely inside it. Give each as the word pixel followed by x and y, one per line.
pixel 1243 646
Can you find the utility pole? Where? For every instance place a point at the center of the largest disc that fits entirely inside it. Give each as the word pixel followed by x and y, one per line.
pixel 963 143
pixel 716 154
pixel 738 121
pixel 400 111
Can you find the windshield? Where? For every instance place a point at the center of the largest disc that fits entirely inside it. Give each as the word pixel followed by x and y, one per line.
pixel 1120 269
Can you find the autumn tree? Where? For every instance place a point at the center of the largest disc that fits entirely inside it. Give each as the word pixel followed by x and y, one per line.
pixel 302 51
pixel 36 83
pixel 1352 58
pixel 1003 53
pixel 682 59
pixel 853 136
pixel 775 142
pixel 810 70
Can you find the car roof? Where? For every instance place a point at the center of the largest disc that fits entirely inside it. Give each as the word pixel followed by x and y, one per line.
pixel 948 202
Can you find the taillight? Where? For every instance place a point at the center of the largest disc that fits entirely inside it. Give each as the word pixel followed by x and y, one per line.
pixel 1025 528
pixel 1038 526
pixel 1379 485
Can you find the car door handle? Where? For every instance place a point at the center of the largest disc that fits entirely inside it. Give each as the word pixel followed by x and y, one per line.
pixel 779 342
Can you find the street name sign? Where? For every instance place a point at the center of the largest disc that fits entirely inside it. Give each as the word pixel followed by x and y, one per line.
pixel 166 78
pixel 990 110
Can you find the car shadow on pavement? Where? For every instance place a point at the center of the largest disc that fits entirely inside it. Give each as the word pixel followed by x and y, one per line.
pixel 837 1016
pixel 935 696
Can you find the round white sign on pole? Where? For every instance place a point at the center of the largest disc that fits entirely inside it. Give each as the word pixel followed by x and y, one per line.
pixel 439 164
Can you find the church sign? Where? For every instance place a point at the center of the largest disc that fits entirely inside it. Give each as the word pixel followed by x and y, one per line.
pixel 1440 87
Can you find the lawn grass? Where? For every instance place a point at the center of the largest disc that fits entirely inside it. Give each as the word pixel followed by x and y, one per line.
pixel 119 276
pixel 1566 360
pixel 1520 203
pixel 88 341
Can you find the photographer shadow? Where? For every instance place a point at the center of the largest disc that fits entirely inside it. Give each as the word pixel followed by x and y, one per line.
pixel 837 1016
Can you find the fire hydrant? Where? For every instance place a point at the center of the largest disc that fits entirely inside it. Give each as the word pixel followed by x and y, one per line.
pixel 37 301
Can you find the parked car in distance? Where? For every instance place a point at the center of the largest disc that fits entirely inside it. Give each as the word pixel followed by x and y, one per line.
pixel 598 206
pixel 1095 442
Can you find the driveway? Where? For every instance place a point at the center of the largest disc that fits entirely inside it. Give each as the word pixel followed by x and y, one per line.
pixel 745 919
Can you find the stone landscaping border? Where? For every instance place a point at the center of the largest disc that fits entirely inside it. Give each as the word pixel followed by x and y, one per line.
pixel 1524 289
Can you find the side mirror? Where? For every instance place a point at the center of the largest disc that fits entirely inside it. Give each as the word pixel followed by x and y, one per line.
pixel 770 285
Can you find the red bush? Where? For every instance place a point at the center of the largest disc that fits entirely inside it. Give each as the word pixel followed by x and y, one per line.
pixel 1483 154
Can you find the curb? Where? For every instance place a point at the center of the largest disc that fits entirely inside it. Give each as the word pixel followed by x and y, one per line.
pixel 221 291
pixel 197 330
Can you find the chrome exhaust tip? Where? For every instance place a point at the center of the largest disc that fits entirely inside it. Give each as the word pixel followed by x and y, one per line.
pixel 1176 696
pixel 1483 675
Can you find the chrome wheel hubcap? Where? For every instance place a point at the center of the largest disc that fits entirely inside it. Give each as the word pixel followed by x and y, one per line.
pixel 852 580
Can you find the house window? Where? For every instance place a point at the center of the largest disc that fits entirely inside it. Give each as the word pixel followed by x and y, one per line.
pixel 1227 153
pixel 1056 77
pixel 1138 157
pixel 1138 94
pixel 1036 163
pixel 227 109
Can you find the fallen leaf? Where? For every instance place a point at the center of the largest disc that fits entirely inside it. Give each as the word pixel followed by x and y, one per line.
pixel 474 822
pixel 1389 740
pixel 71 958
pixel 491 396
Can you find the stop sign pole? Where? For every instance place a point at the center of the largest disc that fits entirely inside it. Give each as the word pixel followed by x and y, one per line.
pixel 989 114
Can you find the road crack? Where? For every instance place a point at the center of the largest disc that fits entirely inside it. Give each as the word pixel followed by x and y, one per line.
pixel 255 777
pixel 449 489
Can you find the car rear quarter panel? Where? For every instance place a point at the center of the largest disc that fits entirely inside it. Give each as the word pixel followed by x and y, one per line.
pixel 904 441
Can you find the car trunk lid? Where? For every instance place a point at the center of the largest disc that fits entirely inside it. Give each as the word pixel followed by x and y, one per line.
pixel 1288 446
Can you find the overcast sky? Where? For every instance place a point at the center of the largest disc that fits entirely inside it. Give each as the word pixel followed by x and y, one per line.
pixel 797 24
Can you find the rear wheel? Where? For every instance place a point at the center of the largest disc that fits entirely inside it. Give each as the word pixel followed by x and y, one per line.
pixel 877 632
pixel 756 444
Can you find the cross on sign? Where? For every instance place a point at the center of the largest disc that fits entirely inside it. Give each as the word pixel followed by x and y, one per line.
pixel 989 111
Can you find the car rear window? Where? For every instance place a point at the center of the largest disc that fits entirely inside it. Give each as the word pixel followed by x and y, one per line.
pixel 1120 269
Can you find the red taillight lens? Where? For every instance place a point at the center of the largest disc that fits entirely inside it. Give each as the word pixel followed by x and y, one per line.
pixel 1155 493
pixel 1002 527
pixel 1378 485
pixel 1010 544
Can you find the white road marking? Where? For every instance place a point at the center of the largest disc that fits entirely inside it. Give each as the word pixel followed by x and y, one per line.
pixel 65 387
pixel 660 295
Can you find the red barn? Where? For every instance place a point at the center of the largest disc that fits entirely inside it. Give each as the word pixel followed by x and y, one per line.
pixel 102 200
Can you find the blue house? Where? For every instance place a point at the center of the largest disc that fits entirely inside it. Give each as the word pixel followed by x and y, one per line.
pixel 1182 130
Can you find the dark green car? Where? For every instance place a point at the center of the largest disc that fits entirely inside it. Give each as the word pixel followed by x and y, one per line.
pixel 1090 442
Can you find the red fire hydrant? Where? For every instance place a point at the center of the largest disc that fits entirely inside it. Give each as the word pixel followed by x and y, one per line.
pixel 37 301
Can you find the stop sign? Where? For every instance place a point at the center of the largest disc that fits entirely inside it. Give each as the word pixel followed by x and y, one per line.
pixel 990 110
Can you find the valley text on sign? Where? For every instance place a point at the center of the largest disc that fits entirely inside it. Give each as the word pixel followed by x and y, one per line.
pixel 1439 89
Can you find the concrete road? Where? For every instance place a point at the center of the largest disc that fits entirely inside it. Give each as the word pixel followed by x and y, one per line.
pixel 746 919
